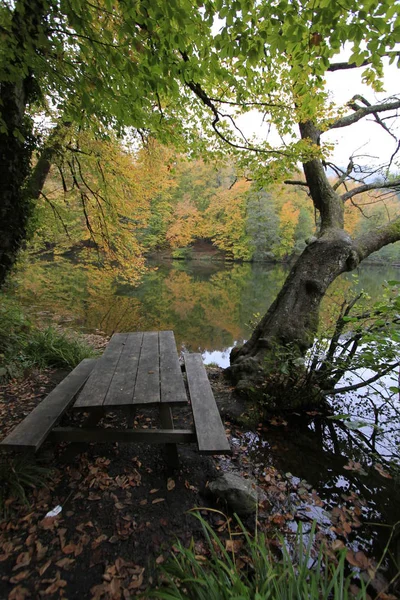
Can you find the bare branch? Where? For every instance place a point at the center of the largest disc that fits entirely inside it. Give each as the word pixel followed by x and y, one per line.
pixel 241 104
pixel 374 240
pixel 360 208
pixel 295 182
pixel 393 185
pixel 393 156
pixel 357 386
pixel 362 111
pixel 344 175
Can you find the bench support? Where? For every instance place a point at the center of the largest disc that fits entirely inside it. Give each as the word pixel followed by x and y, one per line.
pixel 171 437
pixel 171 450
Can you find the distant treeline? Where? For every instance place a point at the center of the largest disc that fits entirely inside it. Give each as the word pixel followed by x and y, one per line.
pixel 127 205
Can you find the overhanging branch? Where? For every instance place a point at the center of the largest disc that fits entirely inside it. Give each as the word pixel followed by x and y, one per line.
pixel 206 100
pixel 357 386
pixel 344 66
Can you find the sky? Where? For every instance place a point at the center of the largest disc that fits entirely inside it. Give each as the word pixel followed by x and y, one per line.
pixel 365 137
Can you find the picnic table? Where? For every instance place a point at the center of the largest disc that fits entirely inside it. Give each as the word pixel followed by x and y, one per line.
pixel 136 370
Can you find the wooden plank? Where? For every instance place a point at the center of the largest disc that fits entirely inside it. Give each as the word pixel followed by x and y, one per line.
pixel 171 380
pixel 35 428
pixel 210 431
pixel 120 392
pixel 98 383
pixel 147 388
pixel 98 434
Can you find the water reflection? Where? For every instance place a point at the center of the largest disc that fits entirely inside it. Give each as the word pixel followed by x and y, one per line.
pixel 208 305
pixel 319 451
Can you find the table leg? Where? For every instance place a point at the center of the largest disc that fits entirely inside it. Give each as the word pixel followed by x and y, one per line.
pixel 131 416
pixel 75 448
pixel 94 417
pixel 168 423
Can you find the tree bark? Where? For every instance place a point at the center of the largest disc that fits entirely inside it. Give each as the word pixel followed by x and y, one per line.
pixel 18 90
pixel 15 156
pixel 291 323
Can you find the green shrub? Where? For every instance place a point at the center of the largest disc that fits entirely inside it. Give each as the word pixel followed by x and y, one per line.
pixel 50 348
pixel 298 575
pixel 24 345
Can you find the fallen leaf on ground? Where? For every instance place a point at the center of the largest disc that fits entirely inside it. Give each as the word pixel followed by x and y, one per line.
pixel 357 559
pixel 137 580
pixel 40 550
pixel 49 522
pixel 54 587
pixel 23 560
pixel 337 545
pixel 44 568
pixel 154 490
pixel 170 484
pixel 20 576
pixel 113 539
pixel 19 593
pixel 65 563
pixel 233 545
pixel 156 500
pixel 98 541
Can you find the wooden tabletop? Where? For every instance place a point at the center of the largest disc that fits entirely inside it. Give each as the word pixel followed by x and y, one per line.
pixel 135 369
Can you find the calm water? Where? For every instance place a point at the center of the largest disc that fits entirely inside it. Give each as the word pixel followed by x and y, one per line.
pixel 209 306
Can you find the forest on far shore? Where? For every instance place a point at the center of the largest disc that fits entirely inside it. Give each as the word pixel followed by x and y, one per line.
pixel 129 204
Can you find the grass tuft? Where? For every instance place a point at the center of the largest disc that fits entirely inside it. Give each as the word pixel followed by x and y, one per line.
pixel 50 348
pixel 256 574
pixel 25 345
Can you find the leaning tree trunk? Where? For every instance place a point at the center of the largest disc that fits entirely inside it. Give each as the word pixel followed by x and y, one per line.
pixel 290 325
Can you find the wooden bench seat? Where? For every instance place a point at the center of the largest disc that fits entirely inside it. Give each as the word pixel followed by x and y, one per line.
pixel 210 431
pixel 34 429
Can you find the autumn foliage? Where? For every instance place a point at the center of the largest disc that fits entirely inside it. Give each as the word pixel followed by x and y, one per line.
pixel 114 205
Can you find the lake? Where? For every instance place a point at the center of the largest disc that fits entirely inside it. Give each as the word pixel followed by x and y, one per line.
pixel 210 306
